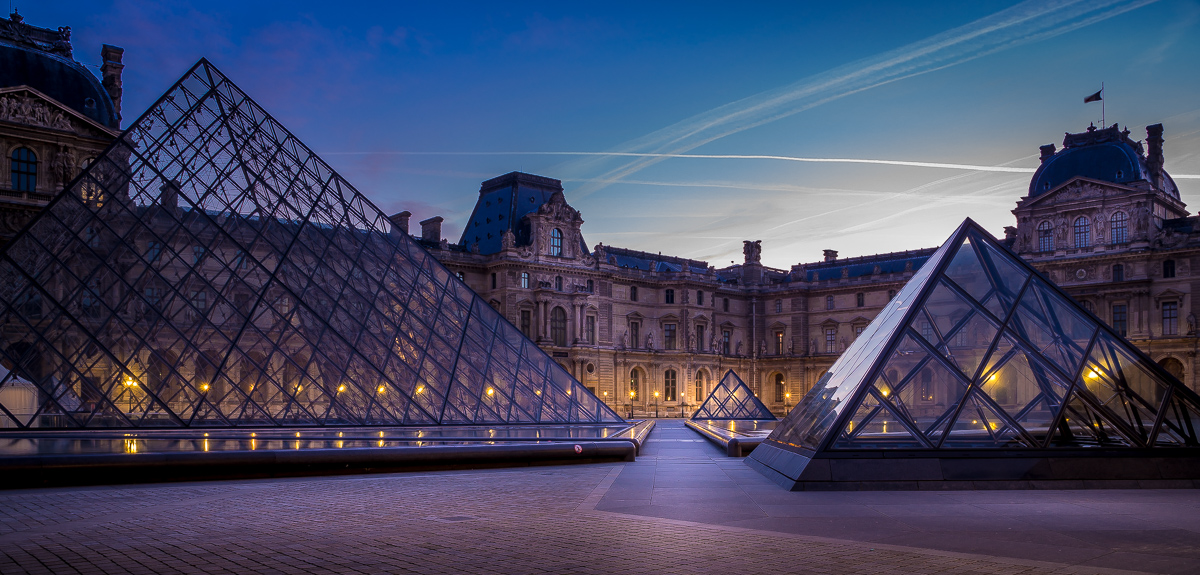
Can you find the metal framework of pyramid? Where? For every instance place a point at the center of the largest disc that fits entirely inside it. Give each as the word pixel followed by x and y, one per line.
pixel 979 352
pixel 210 270
pixel 732 399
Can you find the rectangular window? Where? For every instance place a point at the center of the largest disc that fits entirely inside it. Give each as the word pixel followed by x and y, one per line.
pixel 779 343
pixel 1169 268
pixel 200 300
pixel 831 340
pixel 590 329
pixel 527 323
pixel 858 329
pixel 725 304
pixel 668 336
pixel 860 299
pixel 634 339
pixel 493 281
pixel 669 296
pixel 1119 318
pixel 725 337
pixel 153 250
pixel 669 385
pixel 1170 315
pixel 524 280
pixel 828 302
pixel 699 338
pixel 699 298
pixel 197 254
pixel 778 306
pixel 632 293
pixel 1118 273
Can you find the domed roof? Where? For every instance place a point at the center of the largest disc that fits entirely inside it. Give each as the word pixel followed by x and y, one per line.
pixel 1107 155
pixel 55 74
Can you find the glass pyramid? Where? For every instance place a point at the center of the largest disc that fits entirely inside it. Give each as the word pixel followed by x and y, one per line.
pixel 732 399
pixel 210 270
pixel 979 351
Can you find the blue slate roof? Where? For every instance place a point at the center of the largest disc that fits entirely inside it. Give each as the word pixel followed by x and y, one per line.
pixel 58 77
pixel 1106 155
pixel 895 262
pixel 502 202
pixel 647 261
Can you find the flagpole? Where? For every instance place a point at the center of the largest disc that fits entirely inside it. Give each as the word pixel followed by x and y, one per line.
pixel 1103 118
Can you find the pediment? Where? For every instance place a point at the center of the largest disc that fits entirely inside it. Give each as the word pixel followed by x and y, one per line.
pixel 1086 187
pixel 28 106
pixel 829 323
pixel 777 326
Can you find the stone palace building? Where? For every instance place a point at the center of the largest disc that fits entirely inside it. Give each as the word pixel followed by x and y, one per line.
pixel 652 333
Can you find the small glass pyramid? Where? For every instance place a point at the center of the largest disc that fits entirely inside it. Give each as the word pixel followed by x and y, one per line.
pixel 979 351
pixel 732 399
pixel 210 270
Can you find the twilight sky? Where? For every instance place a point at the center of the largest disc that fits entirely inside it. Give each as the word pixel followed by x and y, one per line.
pixel 416 103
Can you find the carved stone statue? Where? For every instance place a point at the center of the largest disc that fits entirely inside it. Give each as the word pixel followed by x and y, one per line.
pixel 507 240
pixel 624 339
pixel 762 348
pixel 752 250
pixel 1191 323
pixel 812 347
pixel 843 344
pixel 738 349
pixel 649 339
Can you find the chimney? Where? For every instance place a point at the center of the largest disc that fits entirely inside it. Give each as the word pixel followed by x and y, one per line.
pixel 431 229
pixel 1047 151
pixel 111 74
pixel 400 220
pixel 1010 233
pixel 830 255
pixel 1154 156
pixel 170 195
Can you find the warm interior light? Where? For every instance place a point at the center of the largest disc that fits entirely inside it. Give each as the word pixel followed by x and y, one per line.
pixel 203 387
pixel 129 382
pixel 297 434
pixel 491 391
pixel 380 434
pixel 1092 374
pixel 382 389
pixel 341 388
pixel 885 393
pixel 538 392
pixel 420 388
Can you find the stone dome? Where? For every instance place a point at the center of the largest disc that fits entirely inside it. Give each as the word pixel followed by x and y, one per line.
pixel 57 75
pixel 1107 155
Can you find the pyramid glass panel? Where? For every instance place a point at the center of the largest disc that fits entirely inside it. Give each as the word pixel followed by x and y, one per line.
pixel 732 399
pixel 226 276
pixel 979 353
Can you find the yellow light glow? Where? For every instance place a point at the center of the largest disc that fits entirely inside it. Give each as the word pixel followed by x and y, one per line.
pixel 381 443
pixel 382 389
pixel 420 388
pixel 130 446
pixel 787 395
pixel 130 382
pixel 341 388
pixel 974 422
pixel 538 392
pixel 1092 374
pixel 632 394
pixel 206 445
pixel 491 391
pixel 992 378
pixel 340 444
pixel 203 387
pixel 253 444
pixel 253 435
pixel 380 434
pixel 205 435
pixel 994 426
pixel 885 393
pixel 656 394
pixel 297 434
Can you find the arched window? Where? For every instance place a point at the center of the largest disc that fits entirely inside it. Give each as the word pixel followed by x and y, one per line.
pixel 1120 228
pixel 1173 367
pixel 24 170
pixel 1045 237
pixel 558 326
pixel 556 244
pixel 635 384
pixel 779 388
pixel 669 385
pixel 699 386
pixel 558 283
pixel 1083 232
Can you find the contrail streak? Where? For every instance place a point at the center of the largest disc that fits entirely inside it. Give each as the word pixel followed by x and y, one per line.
pixel 1024 23
pixel 970 167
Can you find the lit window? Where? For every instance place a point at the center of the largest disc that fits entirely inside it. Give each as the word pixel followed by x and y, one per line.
pixel 635 384
pixel 699 386
pixel 1170 318
pixel 524 280
pixel 778 387
pixel 779 343
pixel 556 242
pixel 1120 228
pixel 24 170
pixel 1083 232
pixel 926 385
pixel 460 276
pixel 669 385
pixel 1045 237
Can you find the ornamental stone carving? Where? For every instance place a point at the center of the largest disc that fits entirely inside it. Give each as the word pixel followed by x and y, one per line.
pixel 26 110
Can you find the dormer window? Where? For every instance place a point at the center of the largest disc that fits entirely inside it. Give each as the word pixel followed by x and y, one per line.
pixel 1120 174
pixel 556 242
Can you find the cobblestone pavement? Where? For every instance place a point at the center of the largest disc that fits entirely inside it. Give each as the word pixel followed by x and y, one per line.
pixel 533 520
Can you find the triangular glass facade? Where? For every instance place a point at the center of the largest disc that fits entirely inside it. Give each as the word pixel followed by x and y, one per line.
pixel 210 270
pixel 979 351
pixel 732 399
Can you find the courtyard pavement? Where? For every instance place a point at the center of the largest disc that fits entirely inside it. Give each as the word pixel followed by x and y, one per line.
pixel 682 507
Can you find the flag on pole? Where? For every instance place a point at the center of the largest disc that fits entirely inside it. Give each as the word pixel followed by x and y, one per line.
pixel 1094 97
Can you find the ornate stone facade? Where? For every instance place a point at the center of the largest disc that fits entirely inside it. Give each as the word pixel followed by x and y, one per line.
pixel 621 320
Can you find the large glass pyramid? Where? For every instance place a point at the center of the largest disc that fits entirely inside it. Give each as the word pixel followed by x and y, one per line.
pixel 980 352
pixel 732 399
pixel 210 270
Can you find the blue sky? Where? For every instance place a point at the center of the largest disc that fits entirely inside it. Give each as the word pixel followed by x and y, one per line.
pixel 416 103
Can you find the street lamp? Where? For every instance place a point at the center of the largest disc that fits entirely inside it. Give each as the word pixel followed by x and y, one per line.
pixel 129 385
pixel 632 394
pixel 656 404
pixel 787 398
